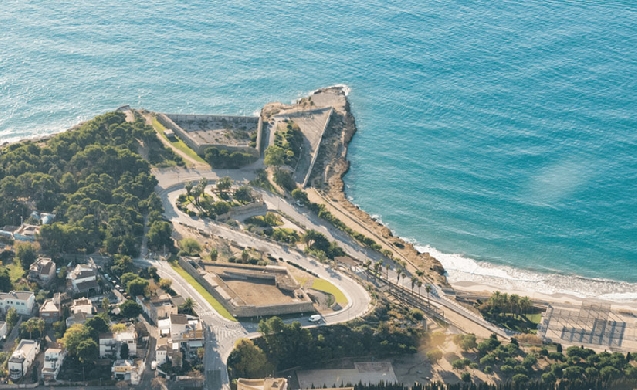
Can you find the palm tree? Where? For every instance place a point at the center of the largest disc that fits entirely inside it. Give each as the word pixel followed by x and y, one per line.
pixel 188 188
pixel 29 326
pixel 428 289
pixel 525 304
pixel 414 280
pixel 514 301
pixel 387 270
pixel 40 325
pixel 377 267
pixel 419 284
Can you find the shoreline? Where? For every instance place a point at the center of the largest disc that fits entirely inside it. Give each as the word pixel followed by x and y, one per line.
pixel 465 274
pixel 470 275
pixel 448 270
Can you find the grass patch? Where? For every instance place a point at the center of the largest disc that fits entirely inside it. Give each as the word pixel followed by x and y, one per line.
pixel 522 323
pixel 15 271
pixel 534 318
pixel 325 286
pixel 207 296
pixel 178 144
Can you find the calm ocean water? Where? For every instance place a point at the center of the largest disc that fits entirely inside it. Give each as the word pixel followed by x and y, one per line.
pixel 501 131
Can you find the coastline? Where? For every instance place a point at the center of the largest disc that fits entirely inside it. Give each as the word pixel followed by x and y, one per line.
pixel 448 270
pixel 462 273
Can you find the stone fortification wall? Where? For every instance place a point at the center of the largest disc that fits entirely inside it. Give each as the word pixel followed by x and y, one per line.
pixel 169 122
pixel 316 152
pixel 259 208
pixel 230 118
pixel 243 310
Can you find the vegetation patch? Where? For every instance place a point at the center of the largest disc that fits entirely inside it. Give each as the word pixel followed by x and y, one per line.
pixel 511 311
pixel 284 346
pixel 177 143
pixel 204 293
pixel 325 286
pixel 226 159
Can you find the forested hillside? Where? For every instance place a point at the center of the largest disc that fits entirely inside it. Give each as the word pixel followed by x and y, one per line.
pixel 92 178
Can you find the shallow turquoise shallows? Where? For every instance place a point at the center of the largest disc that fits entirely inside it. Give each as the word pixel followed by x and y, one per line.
pixel 503 131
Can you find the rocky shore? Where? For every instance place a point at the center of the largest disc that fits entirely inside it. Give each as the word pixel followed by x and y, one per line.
pixel 328 174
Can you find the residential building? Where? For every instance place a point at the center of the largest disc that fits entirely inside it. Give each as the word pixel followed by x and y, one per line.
pixel 161 351
pixel 22 301
pixel 111 344
pixel 77 318
pixel 109 347
pixel 157 307
pixel 129 337
pixel 82 305
pixel 22 358
pixel 189 342
pixel 127 370
pixel 42 271
pixel 164 327
pixel 50 309
pixel 83 279
pixel 53 359
pixel 178 325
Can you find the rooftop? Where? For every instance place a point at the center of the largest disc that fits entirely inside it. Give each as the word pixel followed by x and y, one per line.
pixel 20 295
pixel 179 319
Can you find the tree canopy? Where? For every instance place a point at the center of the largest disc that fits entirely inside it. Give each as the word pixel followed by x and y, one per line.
pixel 92 178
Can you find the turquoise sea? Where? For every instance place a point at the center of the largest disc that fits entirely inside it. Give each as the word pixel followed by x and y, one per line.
pixel 499 135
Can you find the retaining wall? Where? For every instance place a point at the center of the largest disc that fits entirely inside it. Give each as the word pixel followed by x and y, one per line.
pixel 246 310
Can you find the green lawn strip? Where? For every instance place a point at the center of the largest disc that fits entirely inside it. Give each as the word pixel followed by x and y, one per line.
pixel 179 144
pixel 201 290
pixel 325 286
pixel 535 318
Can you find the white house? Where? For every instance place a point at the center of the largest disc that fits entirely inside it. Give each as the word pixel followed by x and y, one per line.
pixel 161 351
pixel 108 345
pixel 127 370
pixel 42 271
pixel 22 358
pixel 178 325
pixel 164 327
pixel 82 305
pixel 83 278
pixel 53 359
pixel 111 344
pixel 22 301
pixel 129 337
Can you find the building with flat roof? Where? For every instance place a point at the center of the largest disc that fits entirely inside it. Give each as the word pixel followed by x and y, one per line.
pixel 53 359
pixel 22 358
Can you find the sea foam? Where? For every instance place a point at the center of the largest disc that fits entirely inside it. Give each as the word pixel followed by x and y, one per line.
pixel 463 269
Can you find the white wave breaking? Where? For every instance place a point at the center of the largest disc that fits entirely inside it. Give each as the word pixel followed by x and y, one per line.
pixel 463 269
